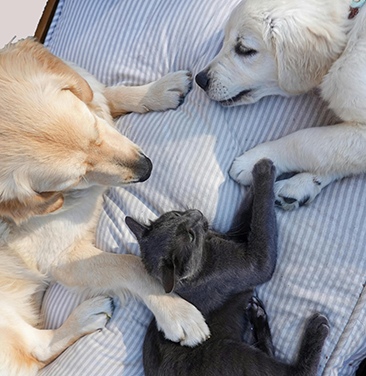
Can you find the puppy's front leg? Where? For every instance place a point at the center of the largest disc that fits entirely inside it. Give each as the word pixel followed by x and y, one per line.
pixel 102 272
pixel 166 93
pixel 301 189
pixel 331 151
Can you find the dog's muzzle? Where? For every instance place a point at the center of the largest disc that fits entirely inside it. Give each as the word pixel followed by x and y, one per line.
pixel 203 80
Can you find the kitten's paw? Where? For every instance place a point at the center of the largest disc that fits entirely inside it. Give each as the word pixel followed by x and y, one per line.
pixel 179 320
pixel 299 190
pixel 257 314
pixel 168 92
pixel 264 168
pixel 318 327
pixel 91 315
pixel 261 331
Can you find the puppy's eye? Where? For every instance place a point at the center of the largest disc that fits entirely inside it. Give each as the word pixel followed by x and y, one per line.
pixel 191 236
pixel 244 51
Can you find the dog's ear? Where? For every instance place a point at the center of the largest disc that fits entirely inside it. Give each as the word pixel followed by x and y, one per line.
pixel 168 277
pixel 40 204
pixel 304 52
pixel 70 79
pixel 137 228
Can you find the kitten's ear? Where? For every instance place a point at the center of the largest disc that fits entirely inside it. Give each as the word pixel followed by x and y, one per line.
pixel 168 271
pixel 137 228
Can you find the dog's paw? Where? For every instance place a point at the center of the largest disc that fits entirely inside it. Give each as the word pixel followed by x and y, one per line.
pixel 299 190
pixel 179 320
pixel 242 167
pixel 91 315
pixel 241 170
pixel 168 92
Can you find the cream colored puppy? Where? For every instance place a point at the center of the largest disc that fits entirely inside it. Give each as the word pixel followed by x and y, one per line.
pixel 59 152
pixel 288 47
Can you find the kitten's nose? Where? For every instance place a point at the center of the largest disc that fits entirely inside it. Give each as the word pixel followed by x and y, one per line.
pixel 202 80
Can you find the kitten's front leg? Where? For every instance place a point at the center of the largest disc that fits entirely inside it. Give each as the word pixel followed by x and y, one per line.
pixel 262 240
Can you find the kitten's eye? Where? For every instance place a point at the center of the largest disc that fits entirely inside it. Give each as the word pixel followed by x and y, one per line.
pixel 191 236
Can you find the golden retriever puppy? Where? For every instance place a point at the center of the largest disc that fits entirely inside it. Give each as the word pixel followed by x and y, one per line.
pixel 59 152
pixel 287 47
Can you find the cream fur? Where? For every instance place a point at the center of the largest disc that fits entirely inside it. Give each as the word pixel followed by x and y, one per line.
pixel 300 45
pixel 59 154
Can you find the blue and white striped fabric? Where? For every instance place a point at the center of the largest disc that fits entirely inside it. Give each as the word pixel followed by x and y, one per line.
pixel 322 258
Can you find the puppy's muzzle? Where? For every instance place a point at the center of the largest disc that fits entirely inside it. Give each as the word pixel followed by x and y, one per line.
pixel 203 80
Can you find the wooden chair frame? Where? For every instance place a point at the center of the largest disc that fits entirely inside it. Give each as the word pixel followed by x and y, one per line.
pixel 46 19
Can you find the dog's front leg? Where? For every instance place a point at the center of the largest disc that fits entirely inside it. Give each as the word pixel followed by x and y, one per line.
pixel 102 272
pixel 327 153
pixel 166 93
pixel 301 189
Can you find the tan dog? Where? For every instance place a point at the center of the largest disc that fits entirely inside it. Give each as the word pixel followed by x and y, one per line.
pixel 59 152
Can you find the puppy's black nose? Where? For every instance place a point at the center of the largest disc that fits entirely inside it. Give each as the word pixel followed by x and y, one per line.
pixel 202 80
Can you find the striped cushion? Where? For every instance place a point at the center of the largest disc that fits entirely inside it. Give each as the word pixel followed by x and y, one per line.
pixel 321 265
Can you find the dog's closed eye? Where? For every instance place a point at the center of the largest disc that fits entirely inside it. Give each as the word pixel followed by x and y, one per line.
pixel 244 51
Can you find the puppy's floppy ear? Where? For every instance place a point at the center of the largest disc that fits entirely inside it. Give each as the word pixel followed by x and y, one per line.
pixel 40 204
pixel 71 80
pixel 137 228
pixel 304 52
pixel 168 277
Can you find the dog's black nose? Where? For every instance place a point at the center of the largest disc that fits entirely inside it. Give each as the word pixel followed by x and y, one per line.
pixel 145 167
pixel 202 80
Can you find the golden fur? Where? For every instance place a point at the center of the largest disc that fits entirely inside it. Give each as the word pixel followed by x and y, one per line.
pixel 59 152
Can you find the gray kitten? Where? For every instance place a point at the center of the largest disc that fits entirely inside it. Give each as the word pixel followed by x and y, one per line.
pixel 218 274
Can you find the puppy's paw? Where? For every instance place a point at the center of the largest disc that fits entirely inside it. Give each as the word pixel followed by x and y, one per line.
pixel 179 320
pixel 241 170
pixel 242 167
pixel 299 190
pixel 168 92
pixel 91 315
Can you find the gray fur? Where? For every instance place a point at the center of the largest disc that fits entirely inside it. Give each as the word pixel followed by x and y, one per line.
pixel 218 274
